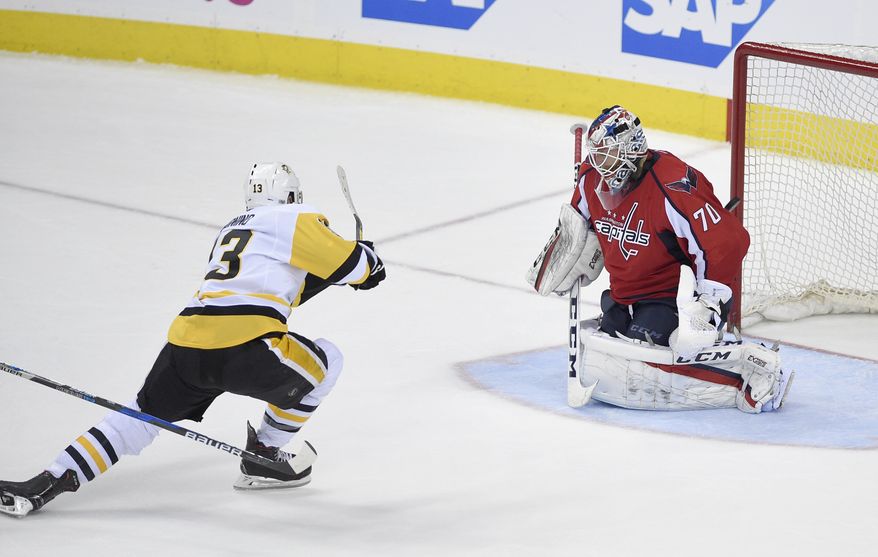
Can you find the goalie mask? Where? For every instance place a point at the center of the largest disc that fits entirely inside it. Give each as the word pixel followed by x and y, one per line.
pixel 615 144
pixel 271 183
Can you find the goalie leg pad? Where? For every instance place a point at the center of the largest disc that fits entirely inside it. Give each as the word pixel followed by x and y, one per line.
pixel 633 383
pixel 573 251
pixel 764 384
pixel 633 374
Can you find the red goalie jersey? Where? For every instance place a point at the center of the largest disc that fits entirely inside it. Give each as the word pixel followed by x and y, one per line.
pixel 668 217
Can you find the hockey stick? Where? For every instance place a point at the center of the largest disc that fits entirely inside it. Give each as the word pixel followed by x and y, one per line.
pixel 299 463
pixel 577 394
pixel 346 190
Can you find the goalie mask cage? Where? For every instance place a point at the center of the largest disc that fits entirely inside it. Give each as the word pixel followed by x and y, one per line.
pixel 805 165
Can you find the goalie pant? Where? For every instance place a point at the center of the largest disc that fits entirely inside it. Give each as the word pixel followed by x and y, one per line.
pixel 737 374
pixel 291 363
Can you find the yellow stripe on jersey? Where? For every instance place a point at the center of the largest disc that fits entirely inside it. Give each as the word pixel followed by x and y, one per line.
pixel 221 331
pixel 287 416
pixel 299 355
pixel 363 278
pixel 316 248
pixel 225 293
pixel 298 299
pixel 95 455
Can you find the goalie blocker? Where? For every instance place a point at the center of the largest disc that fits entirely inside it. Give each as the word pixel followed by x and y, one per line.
pixel 572 252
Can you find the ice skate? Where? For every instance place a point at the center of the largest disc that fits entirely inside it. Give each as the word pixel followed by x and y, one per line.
pixel 256 476
pixel 21 498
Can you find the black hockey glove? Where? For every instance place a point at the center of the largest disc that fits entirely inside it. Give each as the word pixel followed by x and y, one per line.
pixel 377 274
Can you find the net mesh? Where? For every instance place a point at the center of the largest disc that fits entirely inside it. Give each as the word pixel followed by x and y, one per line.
pixel 810 187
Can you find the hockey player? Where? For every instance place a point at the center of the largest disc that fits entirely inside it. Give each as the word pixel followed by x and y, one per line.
pixel 672 251
pixel 233 337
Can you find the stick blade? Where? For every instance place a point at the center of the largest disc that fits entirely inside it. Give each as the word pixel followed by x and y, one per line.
pixel 577 395
pixel 304 458
pixel 345 189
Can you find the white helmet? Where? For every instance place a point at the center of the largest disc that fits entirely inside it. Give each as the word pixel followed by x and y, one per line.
pixel 615 145
pixel 271 183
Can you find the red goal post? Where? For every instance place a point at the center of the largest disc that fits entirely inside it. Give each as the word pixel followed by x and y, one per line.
pixel 804 132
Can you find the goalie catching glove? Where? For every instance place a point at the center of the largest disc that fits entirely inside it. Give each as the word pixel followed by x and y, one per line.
pixel 572 252
pixel 699 310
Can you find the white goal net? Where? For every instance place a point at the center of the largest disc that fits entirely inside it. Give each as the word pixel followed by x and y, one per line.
pixel 806 151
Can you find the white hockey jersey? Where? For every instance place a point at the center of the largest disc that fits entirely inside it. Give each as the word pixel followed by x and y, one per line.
pixel 260 266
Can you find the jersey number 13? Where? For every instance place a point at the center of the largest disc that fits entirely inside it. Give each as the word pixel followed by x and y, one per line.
pixel 231 256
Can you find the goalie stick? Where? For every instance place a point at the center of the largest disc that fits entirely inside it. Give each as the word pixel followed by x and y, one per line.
pixel 346 190
pixel 299 463
pixel 578 395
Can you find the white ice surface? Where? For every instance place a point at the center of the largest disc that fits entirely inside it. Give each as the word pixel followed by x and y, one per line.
pixel 112 177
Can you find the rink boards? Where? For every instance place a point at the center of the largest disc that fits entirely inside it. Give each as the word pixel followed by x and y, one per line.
pixel 833 402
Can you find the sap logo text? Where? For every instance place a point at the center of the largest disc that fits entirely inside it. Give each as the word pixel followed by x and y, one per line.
pixel 703 35
pixel 455 14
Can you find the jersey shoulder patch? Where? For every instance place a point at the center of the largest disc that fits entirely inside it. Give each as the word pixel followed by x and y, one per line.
pixel 686 183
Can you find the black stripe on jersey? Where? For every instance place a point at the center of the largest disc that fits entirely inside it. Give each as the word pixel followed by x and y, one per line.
pixel 312 347
pixel 669 239
pixel 236 310
pixel 283 427
pixel 661 188
pixel 105 443
pixel 650 161
pixel 313 285
pixel 83 465
pixel 347 267
pixel 370 259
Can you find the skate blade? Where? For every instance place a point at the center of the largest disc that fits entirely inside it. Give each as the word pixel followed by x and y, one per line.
pixel 258 482
pixel 786 389
pixel 19 508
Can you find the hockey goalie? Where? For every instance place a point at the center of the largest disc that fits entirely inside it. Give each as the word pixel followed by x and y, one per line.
pixel 671 250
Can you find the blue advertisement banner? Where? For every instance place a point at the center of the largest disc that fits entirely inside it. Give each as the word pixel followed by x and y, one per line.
pixel 701 32
pixel 462 14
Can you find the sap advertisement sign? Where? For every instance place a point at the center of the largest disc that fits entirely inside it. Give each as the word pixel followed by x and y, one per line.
pixel 701 32
pixel 456 14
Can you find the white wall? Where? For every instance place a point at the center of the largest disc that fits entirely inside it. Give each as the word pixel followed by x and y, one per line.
pixel 573 35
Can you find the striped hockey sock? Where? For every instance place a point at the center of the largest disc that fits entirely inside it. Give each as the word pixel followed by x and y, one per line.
pixel 279 426
pixel 96 450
